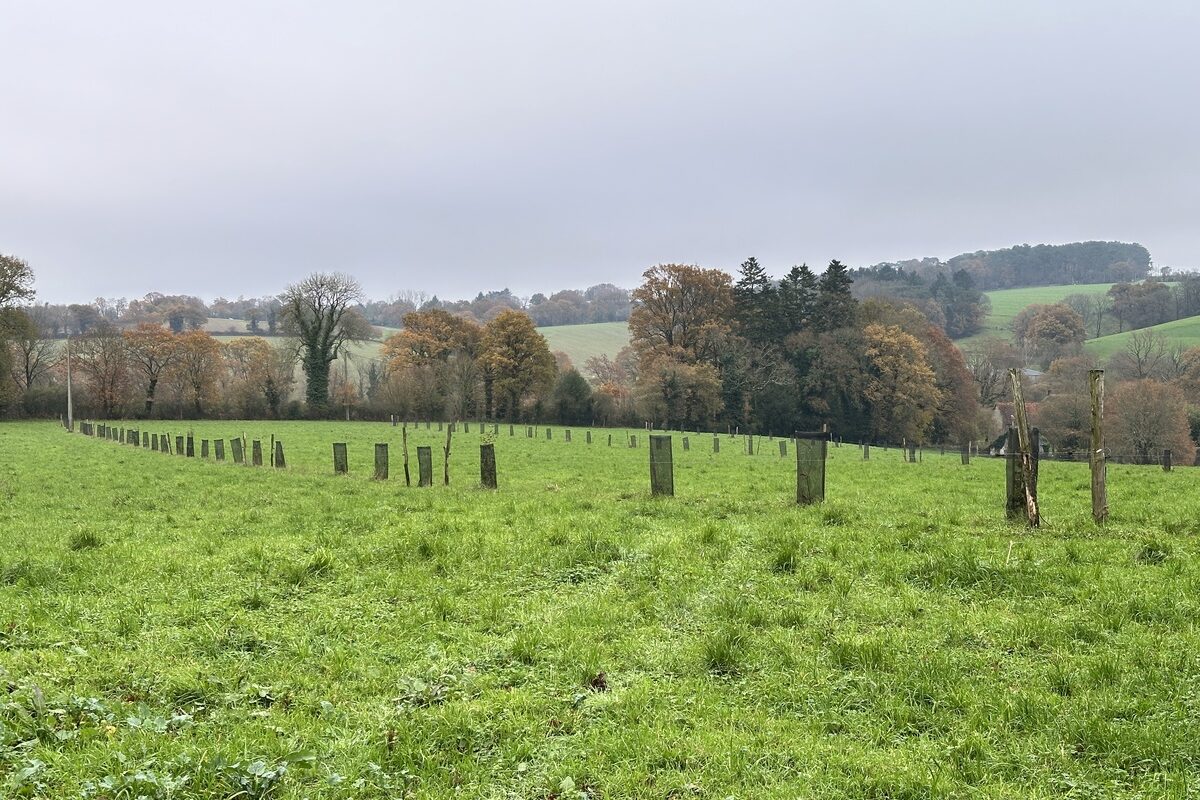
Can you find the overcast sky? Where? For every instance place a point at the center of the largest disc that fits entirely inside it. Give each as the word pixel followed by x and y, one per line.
pixel 452 147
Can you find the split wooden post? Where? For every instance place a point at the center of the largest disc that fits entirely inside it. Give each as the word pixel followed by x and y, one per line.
pixel 204 448
pixel 1166 460
pixel 1096 455
pixel 381 461
pixel 662 471
pixel 811 449
pixel 404 448
pixel 446 457
pixel 219 449
pixel 341 461
pixel 424 466
pixel 256 453
pixel 280 463
pixel 239 454
pixel 1029 452
pixel 487 465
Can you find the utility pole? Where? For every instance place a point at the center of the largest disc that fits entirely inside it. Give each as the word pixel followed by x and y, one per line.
pixel 70 406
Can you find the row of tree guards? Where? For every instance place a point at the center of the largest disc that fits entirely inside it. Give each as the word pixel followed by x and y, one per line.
pixel 1021 467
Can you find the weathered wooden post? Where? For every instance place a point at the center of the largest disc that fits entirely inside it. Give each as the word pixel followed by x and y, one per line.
pixel 662 472
pixel 567 435
pixel 633 440
pixel 145 439
pixel 446 458
pixel 511 430
pixel 716 443
pixel 966 454
pixel 1166 460
pixel 810 467
pixel 1029 451
pixel 1014 483
pixel 588 437
pixel 487 465
pixel 548 434
pixel 1096 455
pixel 239 453
pixel 180 449
pixel 154 442
pixel 424 466
pixel 381 461
pixel 783 448
pixel 280 463
pixel 866 452
pixel 219 449
pixel 191 446
pixel 686 444
pixel 204 448
pixel 341 461
pixel 256 453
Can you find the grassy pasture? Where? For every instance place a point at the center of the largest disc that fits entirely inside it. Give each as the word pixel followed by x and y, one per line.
pixel 1007 303
pixel 1185 332
pixel 179 628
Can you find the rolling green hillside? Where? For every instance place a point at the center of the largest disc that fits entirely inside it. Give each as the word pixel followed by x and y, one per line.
pixel 1007 303
pixel 1182 331
pixel 582 342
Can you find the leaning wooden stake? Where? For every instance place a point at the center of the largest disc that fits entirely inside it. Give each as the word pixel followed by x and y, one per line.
pixel 446 463
pixel 1096 455
pixel 1028 463
pixel 404 447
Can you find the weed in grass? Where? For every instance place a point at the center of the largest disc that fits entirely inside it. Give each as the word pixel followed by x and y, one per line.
pixel 84 540
pixel 724 650
pixel 1153 552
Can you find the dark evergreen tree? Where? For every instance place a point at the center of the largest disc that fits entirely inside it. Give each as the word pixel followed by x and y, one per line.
pixel 754 302
pixel 797 293
pixel 573 399
pixel 835 304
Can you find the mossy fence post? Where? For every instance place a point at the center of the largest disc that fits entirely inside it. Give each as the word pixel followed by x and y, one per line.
pixel 424 466
pixel 662 470
pixel 487 465
pixel 219 449
pixel 811 449
pixel 381 461
pixel 341 462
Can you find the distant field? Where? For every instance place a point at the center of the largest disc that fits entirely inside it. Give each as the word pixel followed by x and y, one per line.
pixel 1007 303
pixel 582 342
pixel 1181 331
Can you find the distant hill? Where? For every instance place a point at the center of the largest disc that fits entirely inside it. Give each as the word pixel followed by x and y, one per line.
pixel 1042 264
pixel 1007 303
pixel 582 342
pixel 1182 331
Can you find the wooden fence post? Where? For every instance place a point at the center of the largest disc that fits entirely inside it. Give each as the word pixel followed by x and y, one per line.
pixel 341 461
pixel 179 446
pixel 866 452
pixel 588 437
pixel 1014 484
pixel 239 454
pixel 716 443
pixel 567 435
pixel 424 466
pixel 1096 455
pixel 466 427
pixel 191 446
pixel 912 453
pixel 446 457
pixel 204 448
pixel 381 461
pixel 154 442
pixel 686 444
pixel 966 454
pixel 487 465
pixel 256 453
pixel 783 448
pixel 662 472
pixel 548 434
pixel 511 430
pixel 280 463
pixel 1029 452
pixel 145 439
pixel 633 440
pixel 810 467
pixel 219 449
pixel 1166 461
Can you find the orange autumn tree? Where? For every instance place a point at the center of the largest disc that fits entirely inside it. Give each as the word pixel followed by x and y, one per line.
pixel 429 337
pixel 517 363
pixel 899 384
pixel 152 350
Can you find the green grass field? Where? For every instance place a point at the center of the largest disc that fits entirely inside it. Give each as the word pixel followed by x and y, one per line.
pixel 1185 332
pixel 1007 303
pixel 582 342
pixel 175 628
